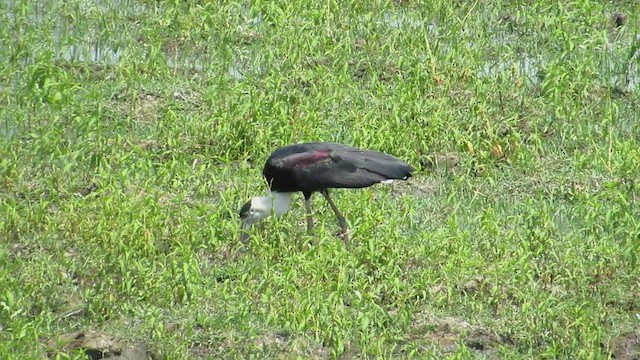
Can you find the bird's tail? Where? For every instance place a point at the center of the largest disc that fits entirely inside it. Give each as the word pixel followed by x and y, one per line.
pixel 386 165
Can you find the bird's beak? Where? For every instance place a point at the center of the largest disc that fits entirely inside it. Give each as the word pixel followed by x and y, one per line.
pixel 244 230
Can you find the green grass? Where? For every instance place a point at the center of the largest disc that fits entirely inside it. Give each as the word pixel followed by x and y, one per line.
pixel 133 131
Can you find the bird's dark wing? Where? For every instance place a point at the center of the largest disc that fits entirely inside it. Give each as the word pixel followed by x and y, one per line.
pixel 340 166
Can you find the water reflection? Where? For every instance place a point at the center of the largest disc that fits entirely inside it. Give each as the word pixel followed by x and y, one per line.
pixel 524 67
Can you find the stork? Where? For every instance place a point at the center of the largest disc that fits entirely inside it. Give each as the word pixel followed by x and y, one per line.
pixel 318 167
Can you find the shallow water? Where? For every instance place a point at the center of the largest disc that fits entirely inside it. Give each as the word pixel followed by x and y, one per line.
pixel 111 32
pixel 71 40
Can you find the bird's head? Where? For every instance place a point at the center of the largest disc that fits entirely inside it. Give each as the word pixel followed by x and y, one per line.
pixel 251 213
pixel 260 207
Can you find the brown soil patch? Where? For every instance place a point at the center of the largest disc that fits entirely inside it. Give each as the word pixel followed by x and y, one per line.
pixel 448 332
pixel 97 345
pixel 415 186
pixel 146 109
pixel 625 346
pixel 445 162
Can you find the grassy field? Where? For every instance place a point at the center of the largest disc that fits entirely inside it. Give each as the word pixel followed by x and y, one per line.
pixel 131 133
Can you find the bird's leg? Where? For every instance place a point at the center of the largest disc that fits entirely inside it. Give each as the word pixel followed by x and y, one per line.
pixel 307 205
pixel 341 219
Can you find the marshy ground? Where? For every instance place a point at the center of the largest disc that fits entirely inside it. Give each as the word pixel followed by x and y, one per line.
pixel 132 131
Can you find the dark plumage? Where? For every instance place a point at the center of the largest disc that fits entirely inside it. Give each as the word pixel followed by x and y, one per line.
pixel 317 167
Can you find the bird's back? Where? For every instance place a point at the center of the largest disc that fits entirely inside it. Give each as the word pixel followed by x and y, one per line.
pixel 311 167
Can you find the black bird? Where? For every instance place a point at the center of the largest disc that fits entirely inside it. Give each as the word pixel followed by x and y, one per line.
pixel 317 167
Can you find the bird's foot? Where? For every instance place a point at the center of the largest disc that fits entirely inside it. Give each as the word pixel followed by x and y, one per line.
pixel 344 236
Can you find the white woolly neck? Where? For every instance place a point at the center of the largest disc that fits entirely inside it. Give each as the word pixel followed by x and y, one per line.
pixel 279 202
